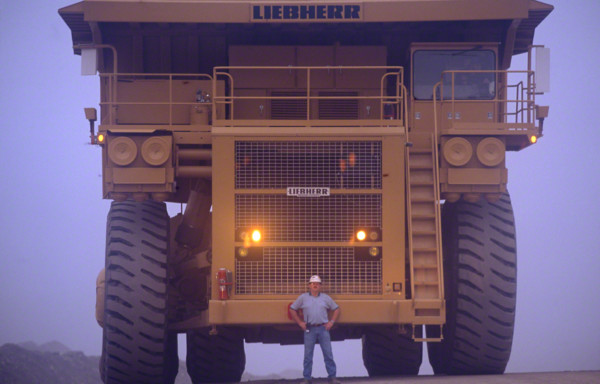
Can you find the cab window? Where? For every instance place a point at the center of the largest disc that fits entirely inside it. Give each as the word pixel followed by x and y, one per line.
pixel 478 83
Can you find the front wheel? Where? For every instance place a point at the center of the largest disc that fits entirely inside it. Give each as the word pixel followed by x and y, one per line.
pixel 480 276
pixel 137 348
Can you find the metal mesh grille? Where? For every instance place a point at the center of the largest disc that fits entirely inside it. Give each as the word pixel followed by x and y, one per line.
pixel 285 271
pixel 288 218
pixel 350 164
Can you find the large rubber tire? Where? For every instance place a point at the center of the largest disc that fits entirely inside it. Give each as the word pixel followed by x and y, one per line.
pixel 137 348
pixel 480 272
pixel 216 358
pixel 388 353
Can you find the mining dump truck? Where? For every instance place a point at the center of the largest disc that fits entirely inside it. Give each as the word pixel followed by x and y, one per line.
pixel 363 141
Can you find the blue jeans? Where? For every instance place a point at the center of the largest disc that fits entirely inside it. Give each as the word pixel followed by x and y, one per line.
pixel 311 337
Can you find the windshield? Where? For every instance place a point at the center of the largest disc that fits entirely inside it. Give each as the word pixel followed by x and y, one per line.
pixel 429 65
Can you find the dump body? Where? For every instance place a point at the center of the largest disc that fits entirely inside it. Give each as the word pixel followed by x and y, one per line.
pixel 309 122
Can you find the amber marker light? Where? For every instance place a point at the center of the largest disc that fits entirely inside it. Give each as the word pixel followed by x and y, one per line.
pixel 100 139
pixel 243 251
pixel 256 235
pixel 533 139
pixel 374 251
pixel 361 235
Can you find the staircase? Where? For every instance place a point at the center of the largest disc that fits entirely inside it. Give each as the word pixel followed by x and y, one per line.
pixel 424 233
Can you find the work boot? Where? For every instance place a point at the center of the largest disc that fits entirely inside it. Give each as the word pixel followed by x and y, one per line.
pixel 333 380
pixel 307 381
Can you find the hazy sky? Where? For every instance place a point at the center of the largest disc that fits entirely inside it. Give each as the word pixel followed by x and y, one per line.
pixel 52 225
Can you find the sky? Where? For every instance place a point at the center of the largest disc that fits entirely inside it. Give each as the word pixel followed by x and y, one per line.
pixel 52 225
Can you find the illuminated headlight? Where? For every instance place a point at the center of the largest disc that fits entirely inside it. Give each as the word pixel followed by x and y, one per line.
pixel 368 234
pixel 250 236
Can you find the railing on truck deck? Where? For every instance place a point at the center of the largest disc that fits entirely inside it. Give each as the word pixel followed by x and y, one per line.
pixel 310 96
pixel 357 96
pixel 512 94
pixel 151 98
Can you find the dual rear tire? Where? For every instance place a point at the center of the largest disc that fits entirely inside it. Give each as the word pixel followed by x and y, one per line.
pixel 389 353
pixel 215 358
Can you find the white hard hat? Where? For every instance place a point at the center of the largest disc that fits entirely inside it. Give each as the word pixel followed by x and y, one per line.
pixel 314 279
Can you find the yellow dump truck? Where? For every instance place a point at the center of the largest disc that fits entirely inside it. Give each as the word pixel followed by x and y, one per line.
pixel 363 141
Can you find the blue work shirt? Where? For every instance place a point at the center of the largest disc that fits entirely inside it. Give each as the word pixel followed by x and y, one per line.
pixel 314 307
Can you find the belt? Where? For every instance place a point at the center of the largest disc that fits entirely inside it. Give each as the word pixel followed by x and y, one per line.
pixel 315 325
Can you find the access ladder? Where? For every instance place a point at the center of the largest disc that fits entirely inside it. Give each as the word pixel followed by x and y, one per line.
pixel 424 227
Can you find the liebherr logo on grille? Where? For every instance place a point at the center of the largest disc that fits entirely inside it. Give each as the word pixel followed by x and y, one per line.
pixel 308 191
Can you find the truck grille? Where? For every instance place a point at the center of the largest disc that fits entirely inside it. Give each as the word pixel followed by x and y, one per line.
pixel 286 270
pixel 288 218
pixel 273 164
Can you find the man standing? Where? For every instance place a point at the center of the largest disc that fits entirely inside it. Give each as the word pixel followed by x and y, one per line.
pixel 316 326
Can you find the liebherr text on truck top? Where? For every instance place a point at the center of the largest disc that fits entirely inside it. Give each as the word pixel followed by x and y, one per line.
pixel 360 141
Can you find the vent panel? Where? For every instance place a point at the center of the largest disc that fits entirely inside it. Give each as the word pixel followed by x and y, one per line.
pixel 338 109
pixel 288 109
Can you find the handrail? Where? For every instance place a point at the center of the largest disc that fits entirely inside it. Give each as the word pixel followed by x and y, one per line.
pixel 437 202
pixel 391 80
pixel 397 99
pixel 522 106
pixel 113 103
pixel 408 204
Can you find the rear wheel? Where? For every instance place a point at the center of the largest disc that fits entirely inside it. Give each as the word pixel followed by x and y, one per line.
pixel 480 272
pixel 389 353
pixel 218 358
pixel 136 345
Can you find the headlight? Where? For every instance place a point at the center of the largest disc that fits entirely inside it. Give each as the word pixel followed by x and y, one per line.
pixel 156 151
pixel 490 151
pixel 122 151
pixel 457 151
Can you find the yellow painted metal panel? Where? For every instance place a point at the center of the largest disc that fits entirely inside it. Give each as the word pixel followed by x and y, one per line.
pixel 476 176
pixel 240 11
pixel 138 175
pixel 223 227
pixel 352 312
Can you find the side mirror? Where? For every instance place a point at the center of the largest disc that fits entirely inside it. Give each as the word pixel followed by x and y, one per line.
pixel 542 69
pixel 91 115
pixel 89 61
